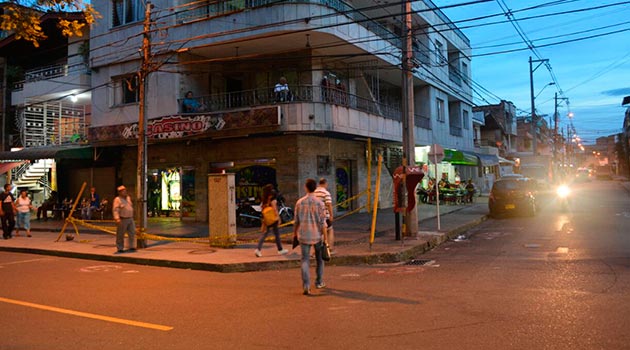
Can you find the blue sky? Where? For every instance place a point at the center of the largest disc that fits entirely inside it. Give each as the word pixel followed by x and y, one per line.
pixel 594 74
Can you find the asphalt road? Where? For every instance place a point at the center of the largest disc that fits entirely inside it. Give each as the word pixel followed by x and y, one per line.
pixel 560 280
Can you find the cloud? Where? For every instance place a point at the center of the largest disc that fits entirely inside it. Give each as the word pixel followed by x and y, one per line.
pixel 617 92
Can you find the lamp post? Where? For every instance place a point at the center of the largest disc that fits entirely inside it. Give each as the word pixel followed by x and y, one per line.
pixel 531 90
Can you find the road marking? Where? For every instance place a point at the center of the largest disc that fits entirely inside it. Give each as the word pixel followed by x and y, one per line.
pixel 562 250
pixel 87 315
pixel 25 261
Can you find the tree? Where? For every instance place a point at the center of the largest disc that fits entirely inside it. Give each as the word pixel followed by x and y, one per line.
pixel 22 17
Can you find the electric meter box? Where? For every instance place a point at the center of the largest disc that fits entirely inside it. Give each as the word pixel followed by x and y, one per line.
pixel 221 209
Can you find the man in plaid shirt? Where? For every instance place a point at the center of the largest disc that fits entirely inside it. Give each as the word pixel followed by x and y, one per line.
pixel 310 229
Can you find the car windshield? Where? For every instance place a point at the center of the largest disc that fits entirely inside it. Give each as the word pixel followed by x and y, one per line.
pixel 510 185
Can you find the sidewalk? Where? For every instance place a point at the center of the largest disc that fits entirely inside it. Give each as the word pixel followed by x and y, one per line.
pixel 351 236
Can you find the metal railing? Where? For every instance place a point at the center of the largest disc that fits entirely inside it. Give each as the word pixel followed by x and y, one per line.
pixel 455 130
pixel 300 93
pixel 422 121
pixel 50 72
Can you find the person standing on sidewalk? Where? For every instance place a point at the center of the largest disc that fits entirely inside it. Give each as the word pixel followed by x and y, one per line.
pixel 7 212
pixel 122 209
pixel 268 201
pixel 310 228
pixel 322 193
pixel 24 207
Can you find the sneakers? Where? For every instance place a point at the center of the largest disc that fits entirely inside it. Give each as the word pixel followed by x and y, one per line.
pixel 320 285
pixel 258 253
pixel 283 252
pixel 306 291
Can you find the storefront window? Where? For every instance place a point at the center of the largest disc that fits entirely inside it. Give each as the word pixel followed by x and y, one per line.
pixel 250 176
pixel 171 192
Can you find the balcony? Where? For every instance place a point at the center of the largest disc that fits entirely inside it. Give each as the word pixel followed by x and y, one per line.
pixel 455 130
pixel 197 10
pixel 298 94
pixel 422 121
pixel 50 72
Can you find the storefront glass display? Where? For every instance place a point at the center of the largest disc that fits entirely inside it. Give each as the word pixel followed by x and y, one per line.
pixel 171 192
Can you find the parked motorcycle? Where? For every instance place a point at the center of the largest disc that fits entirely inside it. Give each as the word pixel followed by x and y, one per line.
pixel 249 214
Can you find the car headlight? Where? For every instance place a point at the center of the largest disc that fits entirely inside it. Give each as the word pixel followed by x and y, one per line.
pixel 563 191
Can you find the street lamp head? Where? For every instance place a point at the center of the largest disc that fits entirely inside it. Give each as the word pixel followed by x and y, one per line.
pixel 570 115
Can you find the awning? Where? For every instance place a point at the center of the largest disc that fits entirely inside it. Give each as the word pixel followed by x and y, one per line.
pixel 5 167
pixel 456 157
pixel 53 152
pixel 488 159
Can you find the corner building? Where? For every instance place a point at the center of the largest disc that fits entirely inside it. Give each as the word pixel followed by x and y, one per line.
pixel 341 61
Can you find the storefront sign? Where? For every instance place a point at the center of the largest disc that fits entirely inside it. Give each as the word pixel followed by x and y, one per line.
pixel 180 126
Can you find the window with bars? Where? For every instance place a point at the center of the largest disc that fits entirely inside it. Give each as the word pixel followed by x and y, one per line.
pixel 127 11
pixel 125 90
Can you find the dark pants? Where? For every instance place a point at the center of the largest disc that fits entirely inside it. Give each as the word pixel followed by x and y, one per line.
pixel 8 224
pixel 274 227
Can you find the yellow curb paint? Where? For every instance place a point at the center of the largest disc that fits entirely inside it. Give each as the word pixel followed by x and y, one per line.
pixel 87 315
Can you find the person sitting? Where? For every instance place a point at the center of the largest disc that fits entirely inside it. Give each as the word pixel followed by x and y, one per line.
pixel 191 104
pixel 282 92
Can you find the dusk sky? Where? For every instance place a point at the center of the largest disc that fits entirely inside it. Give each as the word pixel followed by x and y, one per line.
pixel 594 74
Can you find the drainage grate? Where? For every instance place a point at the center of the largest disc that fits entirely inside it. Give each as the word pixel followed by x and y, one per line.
pixel 419 262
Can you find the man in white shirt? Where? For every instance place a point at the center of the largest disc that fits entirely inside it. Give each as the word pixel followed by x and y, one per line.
pixel 122 208
pixel 322 193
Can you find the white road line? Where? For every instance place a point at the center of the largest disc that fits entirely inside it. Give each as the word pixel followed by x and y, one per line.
pixel 25 261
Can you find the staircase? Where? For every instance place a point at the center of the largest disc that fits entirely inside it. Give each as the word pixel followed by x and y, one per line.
pixel 32 176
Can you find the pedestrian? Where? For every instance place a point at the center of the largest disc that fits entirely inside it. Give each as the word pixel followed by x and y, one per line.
pixel 93 205
pixel 122 209
pixel 310 229
pixel 268 202
pixel 24 207
pixel 322 193
pixel 8 211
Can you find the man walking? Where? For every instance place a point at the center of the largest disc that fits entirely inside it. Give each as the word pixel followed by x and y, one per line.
pixel 122 209
pixel 322 193
pixel 310 229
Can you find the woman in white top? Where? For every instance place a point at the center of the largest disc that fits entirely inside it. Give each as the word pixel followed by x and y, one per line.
pixel 24 207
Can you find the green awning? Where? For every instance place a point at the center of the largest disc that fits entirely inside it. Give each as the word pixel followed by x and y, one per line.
pixel 456 157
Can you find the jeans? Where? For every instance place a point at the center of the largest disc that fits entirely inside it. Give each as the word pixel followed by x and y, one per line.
pixel 274 227
pixel 306 277
pixel 24 220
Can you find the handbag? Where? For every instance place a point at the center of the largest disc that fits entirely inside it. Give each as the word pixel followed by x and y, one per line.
pixel 325 251
pixel 269 215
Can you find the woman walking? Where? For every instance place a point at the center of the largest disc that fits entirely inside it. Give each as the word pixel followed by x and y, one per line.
pixel 24 207
pixel 270 219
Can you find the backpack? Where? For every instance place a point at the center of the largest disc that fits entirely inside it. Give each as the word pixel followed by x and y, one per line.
pixel 269 215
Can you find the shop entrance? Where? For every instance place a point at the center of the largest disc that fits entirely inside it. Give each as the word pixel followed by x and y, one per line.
pixel 343 184
pixel 171 192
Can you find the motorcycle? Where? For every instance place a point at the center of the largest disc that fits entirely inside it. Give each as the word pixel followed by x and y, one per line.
pixel 249 214
pixel 563 194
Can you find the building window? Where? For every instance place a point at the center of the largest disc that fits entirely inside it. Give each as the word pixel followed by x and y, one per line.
pixel 466 120
pixel 440 110
pixel 127 11
pixel 465 73
pixel 439 53
pixel 126 90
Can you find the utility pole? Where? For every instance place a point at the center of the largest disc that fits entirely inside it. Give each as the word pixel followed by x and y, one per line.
pixel 141 181
pixel 408 140
pixel 555 131
pixel 531 90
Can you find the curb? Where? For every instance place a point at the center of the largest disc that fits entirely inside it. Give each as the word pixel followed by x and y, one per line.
pixel 367 259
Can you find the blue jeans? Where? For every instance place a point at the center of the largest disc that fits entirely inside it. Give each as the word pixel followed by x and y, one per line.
pixel 24 220
pixel 306 277
pixel 274 227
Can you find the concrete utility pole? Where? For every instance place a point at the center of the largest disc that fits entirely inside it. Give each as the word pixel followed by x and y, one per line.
pixel 141 181
pixel 408 139
pixel 531 90
pixel 555 130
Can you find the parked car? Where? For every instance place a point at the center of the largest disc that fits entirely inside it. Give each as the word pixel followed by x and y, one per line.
pixel 583 174
pixel 513 195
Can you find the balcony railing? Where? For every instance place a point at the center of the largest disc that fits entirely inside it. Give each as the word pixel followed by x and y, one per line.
pixel 198 10
pixel 422 121
pixel 300 93
pixel 50 72
pixel 455 130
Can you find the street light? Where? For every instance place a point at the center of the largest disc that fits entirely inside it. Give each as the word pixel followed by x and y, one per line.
pixel 544 87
